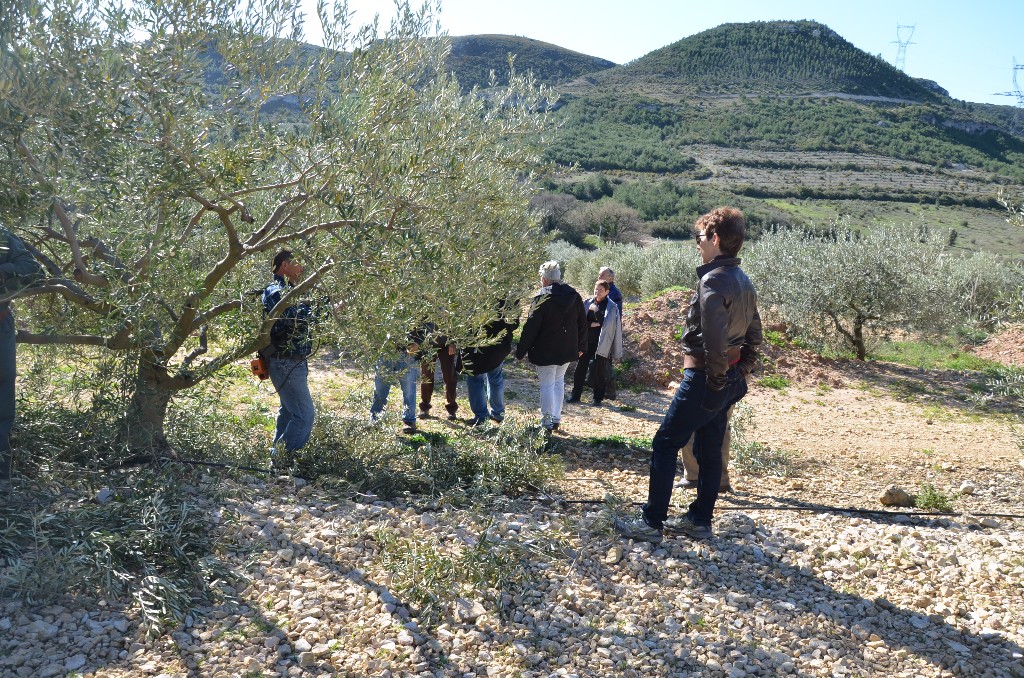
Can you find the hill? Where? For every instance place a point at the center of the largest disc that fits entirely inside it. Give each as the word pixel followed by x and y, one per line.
pixel 473 57
pixel 777 57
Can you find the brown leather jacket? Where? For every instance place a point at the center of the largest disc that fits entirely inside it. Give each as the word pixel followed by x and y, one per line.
pixel 722 316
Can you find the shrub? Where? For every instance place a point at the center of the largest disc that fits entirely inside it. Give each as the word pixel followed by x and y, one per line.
pixel 930 498
pixel 639 271
pixel 752 457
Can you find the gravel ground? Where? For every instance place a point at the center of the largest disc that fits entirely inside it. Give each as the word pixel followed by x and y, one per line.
pixel 773 593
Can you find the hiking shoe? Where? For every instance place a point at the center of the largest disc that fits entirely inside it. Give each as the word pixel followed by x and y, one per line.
pixel 497 420
pixel 637 529
pixel 573 399
pixel 685 525
pixel 409 429
pixel 452 417
pixel 685 484
pixel 476 421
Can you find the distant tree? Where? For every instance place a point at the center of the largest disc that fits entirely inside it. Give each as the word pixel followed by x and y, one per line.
pixel 155 196
pixel 553 209
pixel 607 219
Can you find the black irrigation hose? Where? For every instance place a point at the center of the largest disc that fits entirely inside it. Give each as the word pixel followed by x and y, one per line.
pixel 752 507
pixel 821 508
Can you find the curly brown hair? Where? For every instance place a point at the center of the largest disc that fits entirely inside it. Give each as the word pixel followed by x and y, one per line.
pixel 730 226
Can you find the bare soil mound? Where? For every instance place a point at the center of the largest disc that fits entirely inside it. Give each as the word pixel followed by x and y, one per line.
pixel 1006 347
pixel 653 348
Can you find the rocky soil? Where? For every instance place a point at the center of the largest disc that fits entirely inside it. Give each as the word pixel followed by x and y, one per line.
pixel 791 583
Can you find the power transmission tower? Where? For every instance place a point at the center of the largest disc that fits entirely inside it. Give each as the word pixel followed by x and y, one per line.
pixel 1017 68
pixel 903 36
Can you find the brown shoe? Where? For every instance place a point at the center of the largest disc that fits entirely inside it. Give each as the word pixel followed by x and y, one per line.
pixel 409 429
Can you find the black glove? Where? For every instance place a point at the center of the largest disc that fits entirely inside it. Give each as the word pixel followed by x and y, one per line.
pixel 713 400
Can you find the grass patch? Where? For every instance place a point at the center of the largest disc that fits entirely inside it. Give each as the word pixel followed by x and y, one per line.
pixel 775 381
pixel 620 442
pixel 932 499
pixel 942 355
pixel 775 338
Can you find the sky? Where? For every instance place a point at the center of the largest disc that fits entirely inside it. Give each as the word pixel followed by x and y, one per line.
pixel 966 47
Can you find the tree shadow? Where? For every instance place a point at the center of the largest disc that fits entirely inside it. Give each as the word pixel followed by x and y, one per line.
pixel 924 386
pixel 787 607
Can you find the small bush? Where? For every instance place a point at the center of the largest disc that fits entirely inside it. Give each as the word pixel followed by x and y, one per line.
pixel 930 498
pixel 432 574
pixel 751 457
pixel 774 381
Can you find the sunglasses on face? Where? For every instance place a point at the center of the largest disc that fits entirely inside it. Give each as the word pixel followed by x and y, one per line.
pixel 698 236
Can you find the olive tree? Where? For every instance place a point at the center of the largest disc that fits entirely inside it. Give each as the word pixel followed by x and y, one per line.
pixel 847 287
pixel 157 153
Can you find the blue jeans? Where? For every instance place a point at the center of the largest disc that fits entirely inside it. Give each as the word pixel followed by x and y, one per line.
pixel 8 364
pixel 685 418
pixel 408 371
pixel 295 418
pixel 487 386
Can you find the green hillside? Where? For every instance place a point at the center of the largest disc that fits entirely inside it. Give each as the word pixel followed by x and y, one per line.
pixel 474 56
pixel 777 57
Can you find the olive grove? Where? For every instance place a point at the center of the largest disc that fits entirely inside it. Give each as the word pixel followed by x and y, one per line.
pixel 157 153
pixel 847 288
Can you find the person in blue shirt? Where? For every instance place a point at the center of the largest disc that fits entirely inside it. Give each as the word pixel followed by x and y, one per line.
pixel 18 269
pixel 291 342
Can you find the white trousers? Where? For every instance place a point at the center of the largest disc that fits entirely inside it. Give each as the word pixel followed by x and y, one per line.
pixel 552 392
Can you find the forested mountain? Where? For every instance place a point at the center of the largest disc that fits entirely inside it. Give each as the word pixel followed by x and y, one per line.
pixel 776 57
pixel 785 118
pixel 473 57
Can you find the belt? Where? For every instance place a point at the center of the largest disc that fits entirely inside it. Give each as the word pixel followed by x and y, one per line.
pixel 695 361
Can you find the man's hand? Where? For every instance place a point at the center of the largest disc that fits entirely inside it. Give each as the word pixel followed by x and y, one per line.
pixel 451 349
pixel 412 349
pixel 580 354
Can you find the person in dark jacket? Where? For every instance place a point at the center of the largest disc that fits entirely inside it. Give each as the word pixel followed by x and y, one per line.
pixel 604 341
pixel 291 342
pixel 18 269
pixel 721 344
pixel 608 275
pixel 554 337
pixel 485 375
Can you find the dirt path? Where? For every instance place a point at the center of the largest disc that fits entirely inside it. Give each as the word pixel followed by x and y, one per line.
pixel 848 445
